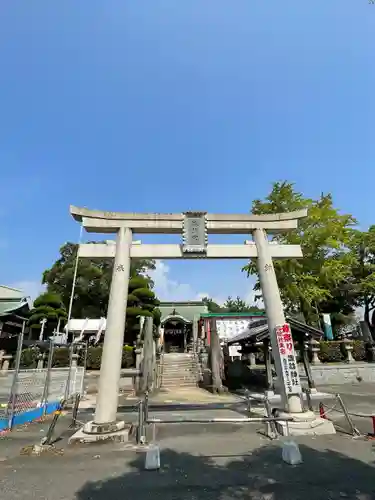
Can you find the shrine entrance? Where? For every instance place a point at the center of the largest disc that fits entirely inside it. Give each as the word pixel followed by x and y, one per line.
pixel 176 333
pixel 195 228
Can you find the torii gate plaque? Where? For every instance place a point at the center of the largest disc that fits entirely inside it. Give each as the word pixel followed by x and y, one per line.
pixel 194 226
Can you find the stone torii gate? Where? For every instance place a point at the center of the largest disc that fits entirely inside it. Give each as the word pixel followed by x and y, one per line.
pixel 194 228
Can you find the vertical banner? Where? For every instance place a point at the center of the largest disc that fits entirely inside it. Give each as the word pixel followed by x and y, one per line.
pixel 327 326
pixel 288 359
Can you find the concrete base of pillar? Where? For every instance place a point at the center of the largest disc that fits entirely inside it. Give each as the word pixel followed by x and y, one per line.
pixel 270 394
pixel 93 432
pixel 304 424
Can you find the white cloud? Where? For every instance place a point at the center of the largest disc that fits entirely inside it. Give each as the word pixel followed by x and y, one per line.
pixel 30 288
pixel 250 298
pixel 168 289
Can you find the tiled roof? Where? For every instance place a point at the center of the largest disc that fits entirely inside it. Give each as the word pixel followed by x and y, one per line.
pixel 9 306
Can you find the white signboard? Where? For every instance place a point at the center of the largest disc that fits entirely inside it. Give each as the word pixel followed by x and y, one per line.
pixel 234 351
pixel 230 328
pixel 288 359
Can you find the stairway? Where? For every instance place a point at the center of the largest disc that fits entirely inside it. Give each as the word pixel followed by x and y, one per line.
pixel 179 370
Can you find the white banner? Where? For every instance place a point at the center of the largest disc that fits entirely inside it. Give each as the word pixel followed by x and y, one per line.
pixel 288 359
pixel 229 328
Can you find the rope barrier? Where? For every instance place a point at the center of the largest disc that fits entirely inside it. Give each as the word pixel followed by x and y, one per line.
pixel 359 415
pixel 355 431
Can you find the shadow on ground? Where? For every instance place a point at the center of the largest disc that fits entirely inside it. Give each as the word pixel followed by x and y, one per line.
pixel 324 475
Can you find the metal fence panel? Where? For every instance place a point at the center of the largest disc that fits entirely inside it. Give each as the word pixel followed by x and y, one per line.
pixel 28 390
pixel 35 390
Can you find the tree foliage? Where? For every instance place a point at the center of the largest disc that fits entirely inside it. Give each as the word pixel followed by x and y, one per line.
pixel 212 306
pixel 362 248
pixel 141 302
pixel 238 305
pixel 230 306
pixel 93 281
pixel 47 306
pixel 324 236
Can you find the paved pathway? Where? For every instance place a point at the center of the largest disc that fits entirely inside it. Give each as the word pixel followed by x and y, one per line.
pixel 237 465
pixel 199 462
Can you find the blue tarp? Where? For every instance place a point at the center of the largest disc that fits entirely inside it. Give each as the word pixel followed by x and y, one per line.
pixel 29 416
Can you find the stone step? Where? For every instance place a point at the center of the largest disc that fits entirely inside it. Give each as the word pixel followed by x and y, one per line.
pixel 165 379
pixel 180 362
pixel 178 368
pixel 178 375
pixel 179 384
pixel 184 367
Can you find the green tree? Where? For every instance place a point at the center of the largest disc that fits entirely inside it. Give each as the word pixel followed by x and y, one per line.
pixel 93 281
pixel 212 306
pixel 47 306
pixel 324 236
pixel 363 273
pixel 238 305
pixel 230 306
pixel 141 302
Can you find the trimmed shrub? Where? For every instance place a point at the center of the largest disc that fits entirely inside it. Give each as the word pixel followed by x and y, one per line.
pixel 29 358
pixel 94 358
pixel 331 352
pixel 359 350
pixel 335 352
pixel 60 357
pixel 128 360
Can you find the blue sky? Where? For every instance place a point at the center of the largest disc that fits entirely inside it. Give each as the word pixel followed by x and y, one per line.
pixel 171 105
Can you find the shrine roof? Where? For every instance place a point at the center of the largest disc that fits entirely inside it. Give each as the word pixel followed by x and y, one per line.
pixel 12 301
pixel 258 330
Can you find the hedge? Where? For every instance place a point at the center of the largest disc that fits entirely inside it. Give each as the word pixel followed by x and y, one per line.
pixel 331 352
pixel 335 352
pixel 29 357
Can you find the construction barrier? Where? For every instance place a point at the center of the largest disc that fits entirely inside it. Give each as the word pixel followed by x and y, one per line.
pixel 327 412
pixel 29 395
pixel 290 452
pixel 269 419
pixel 47 440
